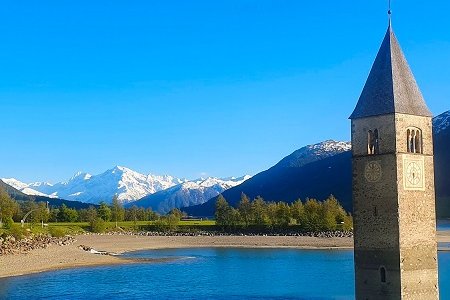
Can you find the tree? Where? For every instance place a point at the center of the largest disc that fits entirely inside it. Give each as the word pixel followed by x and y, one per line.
pixel 282 214
pixel 71 215
pixel 348 223
pixel 223 210
pixel 234 217
pixel 117 210
pixel 66 214
pixel 42 213
pixel 104 212
pixel 30 208
pixel 8 208
pixel 245 209
pixel 312 215
pixel 259 211
pixel 172 221
pixel 298 212
pixel 132 215
pixel 54 213
pixel 332 213
pixel 96 224
pixel 91 214
pixel 141 215
pixel 178 213
pixel 150 215
pixel 271 213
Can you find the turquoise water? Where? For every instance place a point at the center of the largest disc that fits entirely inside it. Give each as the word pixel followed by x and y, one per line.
pixel 443 225
pixel 211 273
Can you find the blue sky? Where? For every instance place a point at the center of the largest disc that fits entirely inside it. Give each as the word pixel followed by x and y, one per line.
pixel 192 88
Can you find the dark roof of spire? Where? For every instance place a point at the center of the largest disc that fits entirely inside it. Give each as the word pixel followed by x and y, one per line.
pixel 391 87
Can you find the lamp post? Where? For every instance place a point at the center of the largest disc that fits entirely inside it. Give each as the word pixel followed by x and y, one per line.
pixel 25 217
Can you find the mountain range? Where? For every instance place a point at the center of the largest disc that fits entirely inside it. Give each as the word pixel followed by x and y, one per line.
pixel 21 197
pixel 162 193
pixel 127 184
pixel 320 170
pixel 188 193
pixel 314 171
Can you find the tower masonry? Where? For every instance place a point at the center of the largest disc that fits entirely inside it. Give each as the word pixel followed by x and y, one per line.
pixel 393 184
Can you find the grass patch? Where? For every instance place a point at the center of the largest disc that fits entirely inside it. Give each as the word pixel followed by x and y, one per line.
pixel 197 223
pixel 68 229
pixel 73 228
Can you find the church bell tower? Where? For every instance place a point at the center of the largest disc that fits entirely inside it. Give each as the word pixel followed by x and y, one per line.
pixel 393 184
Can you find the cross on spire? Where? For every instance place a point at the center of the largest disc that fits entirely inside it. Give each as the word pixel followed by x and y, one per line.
pixel 389 10
pixel 389 13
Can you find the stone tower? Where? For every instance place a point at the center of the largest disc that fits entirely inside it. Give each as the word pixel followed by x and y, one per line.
pixel 393 184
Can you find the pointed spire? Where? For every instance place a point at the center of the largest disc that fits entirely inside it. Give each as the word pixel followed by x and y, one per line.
pixel 390 87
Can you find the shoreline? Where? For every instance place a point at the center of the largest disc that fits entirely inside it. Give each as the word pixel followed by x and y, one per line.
pixel 71 256
pixel 57 257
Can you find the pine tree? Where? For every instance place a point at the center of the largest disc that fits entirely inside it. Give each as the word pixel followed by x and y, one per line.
pixel 223 210
pixel 117 210
pixel 245 209
pixel 104 212
pixel 259 211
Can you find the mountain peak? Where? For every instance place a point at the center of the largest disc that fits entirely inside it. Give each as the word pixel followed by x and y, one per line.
pixel 80 176
pixel 330 146
pixel 120 169
pixel 189 193
pixel 441 122
pixel 314 152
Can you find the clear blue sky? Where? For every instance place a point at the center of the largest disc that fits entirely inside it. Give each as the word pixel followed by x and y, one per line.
pixel 190 88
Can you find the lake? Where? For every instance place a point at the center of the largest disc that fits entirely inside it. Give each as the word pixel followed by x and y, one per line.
pixel 443 225
pixel 209 273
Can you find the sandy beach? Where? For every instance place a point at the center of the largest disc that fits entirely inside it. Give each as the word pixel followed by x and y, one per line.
pixel 71 256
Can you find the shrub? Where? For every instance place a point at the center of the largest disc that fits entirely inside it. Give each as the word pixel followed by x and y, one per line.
pixel 160 225
pixel 172 222
pixel 98 225
pixel 17 232
pixel 8 223
pixel 57 231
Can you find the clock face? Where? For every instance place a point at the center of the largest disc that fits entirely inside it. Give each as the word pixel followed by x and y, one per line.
pixel 372 171
pixel 413 173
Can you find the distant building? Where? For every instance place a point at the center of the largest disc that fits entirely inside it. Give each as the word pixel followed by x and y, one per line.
pixel 393 184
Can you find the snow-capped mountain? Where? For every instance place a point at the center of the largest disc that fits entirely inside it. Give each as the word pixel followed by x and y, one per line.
pixel 188 193
pixel 311 153
pixel 23 187
pixel 441 122
pixel 126 183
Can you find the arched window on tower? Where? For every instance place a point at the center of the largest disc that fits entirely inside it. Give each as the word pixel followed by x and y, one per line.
pixel 376 142
pixel 408 140
pixel 370 145
pixel 383 274
pixel 373 144
pixel 414 140
pixel 418 141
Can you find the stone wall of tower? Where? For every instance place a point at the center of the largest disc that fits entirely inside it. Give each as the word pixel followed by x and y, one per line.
pixel 375 208
pixel 417 216
pixel 395 226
